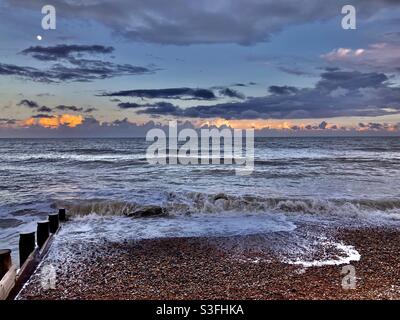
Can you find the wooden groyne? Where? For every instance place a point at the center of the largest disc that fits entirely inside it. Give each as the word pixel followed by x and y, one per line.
pixel 33 246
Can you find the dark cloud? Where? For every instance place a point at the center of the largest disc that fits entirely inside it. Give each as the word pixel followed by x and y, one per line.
pixel 28 73
pixel 192 22
pixel 46 94
pixel 239 85
pixel 282 90
pixel 231 93
pixel 162 108
pixel 34 105
pixel 28 103
pixel 42 115
pixel 323 125
pixel 294 71
pixel 60 73
pixel 90 110
pixel 331 69
pixel 69 65
pixel 69 108
pixel 87 70
pixel 44 109
pixel 174 93
pixel 374 126
pixel 169 93
pixel 351 80
pixel 63 51
pixel 337 94
pixel 131 105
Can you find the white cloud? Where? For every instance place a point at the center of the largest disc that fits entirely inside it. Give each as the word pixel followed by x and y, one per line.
pixel 382 57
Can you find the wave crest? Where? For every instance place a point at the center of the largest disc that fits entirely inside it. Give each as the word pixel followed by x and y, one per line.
pixel 197 203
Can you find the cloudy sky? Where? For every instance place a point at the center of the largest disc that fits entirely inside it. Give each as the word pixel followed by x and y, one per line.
pixel 119 67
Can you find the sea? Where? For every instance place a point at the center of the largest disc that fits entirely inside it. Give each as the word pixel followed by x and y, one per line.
pixel 326 182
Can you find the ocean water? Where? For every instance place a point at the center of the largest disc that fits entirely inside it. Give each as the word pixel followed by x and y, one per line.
pixel 319 181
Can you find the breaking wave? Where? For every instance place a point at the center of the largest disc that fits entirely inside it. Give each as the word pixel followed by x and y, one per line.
pixel 197 203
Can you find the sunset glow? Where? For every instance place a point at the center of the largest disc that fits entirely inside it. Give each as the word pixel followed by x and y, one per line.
pixel 55 121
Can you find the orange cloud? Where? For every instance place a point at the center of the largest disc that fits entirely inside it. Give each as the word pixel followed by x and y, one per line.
pixel 70 120
pixel 55 121
pixel 28 122
pixel 48 122
pixel 259 124
pixel 247 124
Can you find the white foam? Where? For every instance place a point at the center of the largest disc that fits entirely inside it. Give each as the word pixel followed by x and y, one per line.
pixel 349 253
pixel 122 228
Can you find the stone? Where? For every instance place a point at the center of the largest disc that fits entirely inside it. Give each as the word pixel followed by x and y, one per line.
pixel 147 211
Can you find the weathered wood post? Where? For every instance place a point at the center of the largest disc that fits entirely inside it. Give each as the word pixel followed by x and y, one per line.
pixel 43 231
pixel 62 215
pixel 26 246
pixel 5 261
pixel 54 222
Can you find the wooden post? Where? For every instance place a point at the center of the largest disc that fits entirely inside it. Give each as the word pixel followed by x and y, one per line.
pixel 54 222
pixel 26 246
pixel 43 231
pixel 62 215
pixel 5 261
pixel 7 283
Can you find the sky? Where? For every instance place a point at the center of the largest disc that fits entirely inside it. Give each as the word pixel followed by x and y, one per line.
pixel 118 68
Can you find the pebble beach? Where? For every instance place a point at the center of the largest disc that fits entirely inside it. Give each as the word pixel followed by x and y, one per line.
pixel 203 268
